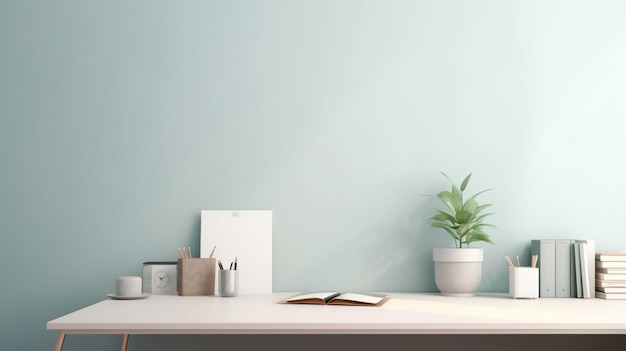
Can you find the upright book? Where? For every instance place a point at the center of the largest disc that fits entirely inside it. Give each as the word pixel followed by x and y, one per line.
pixel 546 251
pixel 589 269
pixel 577 275
pixel 584 271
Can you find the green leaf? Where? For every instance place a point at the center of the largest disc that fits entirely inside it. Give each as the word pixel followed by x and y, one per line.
pixel 481 217
pixel 463 217
pixel 446 198
pixel 463 229
pixel 478 193
pixel 465 181
pixel 457 198
pixel 479 237
pixel 441 225
pixel 481 225
pixel 470 206
pixel 480 208
pixel 443 216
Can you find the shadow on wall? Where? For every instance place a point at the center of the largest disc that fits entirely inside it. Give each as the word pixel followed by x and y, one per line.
pixel 393 256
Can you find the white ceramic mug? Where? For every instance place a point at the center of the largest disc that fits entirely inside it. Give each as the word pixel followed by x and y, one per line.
pixel 128 286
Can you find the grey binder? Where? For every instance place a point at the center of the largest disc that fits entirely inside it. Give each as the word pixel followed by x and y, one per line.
pixel 563 268
pixel 546 251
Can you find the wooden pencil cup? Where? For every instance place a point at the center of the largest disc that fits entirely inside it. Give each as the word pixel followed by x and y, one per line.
pixel 196 276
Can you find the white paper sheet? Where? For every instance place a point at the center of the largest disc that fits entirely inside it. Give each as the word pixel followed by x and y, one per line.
pixel 246 235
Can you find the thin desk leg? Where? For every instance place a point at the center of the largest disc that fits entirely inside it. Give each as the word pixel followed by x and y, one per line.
pixel 124 342
pixel 60 342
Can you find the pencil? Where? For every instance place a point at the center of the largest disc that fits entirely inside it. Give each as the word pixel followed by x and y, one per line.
pixel 518 264
pixel 212 252
pixel 509 261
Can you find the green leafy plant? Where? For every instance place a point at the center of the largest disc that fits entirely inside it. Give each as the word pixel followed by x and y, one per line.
pixel 464 220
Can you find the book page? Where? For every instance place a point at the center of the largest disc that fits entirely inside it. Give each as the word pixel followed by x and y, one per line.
pixel 362 298
pixel 324 296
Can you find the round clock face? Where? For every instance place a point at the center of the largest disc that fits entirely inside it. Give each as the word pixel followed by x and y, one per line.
pixel 161 279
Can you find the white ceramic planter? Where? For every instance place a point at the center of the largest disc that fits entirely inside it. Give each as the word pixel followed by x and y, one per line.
pixel 458 272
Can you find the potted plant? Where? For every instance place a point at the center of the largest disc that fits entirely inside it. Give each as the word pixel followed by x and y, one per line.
pixel 458 270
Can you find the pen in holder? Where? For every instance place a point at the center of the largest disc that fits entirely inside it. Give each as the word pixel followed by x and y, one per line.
pixel 228 282
pixel 524 282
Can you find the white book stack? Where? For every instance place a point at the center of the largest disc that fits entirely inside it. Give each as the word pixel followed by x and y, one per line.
pixel 611 276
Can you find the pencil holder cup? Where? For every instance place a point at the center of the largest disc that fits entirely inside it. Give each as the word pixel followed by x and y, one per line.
pixel 196 276
pixel 228 282
pixel 524 282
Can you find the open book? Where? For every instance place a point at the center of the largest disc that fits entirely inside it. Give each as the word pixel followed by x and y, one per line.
pixel 337 298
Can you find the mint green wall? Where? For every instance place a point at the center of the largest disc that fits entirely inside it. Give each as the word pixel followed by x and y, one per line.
pixel 121 120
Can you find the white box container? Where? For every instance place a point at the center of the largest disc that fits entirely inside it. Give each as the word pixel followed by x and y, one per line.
pixel 524 282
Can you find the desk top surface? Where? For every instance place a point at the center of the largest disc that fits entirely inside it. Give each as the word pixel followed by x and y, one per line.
pixel 404 313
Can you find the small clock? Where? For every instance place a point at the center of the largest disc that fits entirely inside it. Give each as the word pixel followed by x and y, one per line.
pixel 160 278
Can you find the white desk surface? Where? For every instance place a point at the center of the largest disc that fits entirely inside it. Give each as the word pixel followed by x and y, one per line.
pixel 404 313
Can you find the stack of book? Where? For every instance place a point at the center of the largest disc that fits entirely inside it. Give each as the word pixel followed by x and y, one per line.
pixel 611 276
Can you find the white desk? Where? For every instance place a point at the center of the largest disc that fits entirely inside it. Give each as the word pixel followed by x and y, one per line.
pixel 404 313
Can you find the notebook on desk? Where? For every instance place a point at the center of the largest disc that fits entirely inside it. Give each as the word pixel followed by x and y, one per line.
pixel 338 298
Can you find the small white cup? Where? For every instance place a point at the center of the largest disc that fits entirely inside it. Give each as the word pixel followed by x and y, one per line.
pixel 128 286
